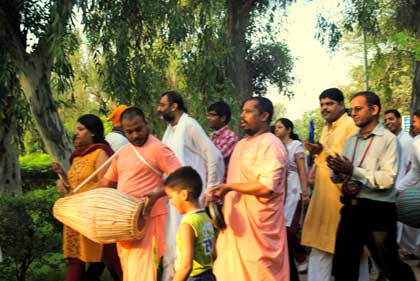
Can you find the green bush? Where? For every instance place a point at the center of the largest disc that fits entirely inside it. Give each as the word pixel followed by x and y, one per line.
pixel 36 171
pixel 30 237
pixel 35 162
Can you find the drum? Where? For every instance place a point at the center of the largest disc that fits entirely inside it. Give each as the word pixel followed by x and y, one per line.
pixel 408 207
pixel 104 215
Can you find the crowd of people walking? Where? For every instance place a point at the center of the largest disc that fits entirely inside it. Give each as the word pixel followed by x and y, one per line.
pixel 263 181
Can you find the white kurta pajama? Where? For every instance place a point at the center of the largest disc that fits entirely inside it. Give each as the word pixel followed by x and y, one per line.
pixel 408 237
pixel 192 147
pixel 295 150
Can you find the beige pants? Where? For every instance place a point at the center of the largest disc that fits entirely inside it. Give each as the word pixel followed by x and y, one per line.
pixel 320 266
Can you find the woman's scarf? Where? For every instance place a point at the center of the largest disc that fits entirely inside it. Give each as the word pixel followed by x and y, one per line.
pixel 82 151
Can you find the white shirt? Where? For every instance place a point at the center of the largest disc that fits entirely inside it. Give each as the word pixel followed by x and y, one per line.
pixel 404 146
pixel 379 169
pixel 116 140
pixel 193 147
pixel 412 178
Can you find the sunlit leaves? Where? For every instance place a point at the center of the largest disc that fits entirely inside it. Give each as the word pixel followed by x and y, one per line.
pixel 328 32
pixel 270 64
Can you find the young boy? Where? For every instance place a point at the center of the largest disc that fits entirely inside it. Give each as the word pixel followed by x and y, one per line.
pixel 195 236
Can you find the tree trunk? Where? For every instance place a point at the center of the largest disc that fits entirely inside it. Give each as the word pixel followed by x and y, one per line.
pixel 35 82
pixel 238 16
pixel 415 92
pixel 10 179
pixel 408 17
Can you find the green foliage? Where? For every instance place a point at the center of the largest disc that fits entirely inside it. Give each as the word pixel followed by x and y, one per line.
pixel 302 125
pixel 363 15
pixel 36 171
pixel 39 162
pixel 202 60
pixel 50 268
pixel 270 64
pixel 328 32
pixel 406 41
pixel 28 234
pixel 268 60
pixel 138 49
pixel 392 51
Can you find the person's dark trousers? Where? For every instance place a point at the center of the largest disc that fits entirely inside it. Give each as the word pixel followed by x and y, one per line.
pixel 111 260
pixel 371 223
pixel 75 270
pixel 94 271
pixel 293 244
pixel 294 275
pixel 293 237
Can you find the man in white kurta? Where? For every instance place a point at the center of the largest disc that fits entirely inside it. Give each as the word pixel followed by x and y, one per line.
pixel 407 236
pixel 192 147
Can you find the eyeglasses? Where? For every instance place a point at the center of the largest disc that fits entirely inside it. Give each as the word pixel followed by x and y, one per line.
pixel 357 109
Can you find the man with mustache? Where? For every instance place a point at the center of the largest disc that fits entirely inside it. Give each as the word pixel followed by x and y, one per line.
pixel 193 148
pixel 137 170
pixel 253 247
pixel 367 167
pixel 323 215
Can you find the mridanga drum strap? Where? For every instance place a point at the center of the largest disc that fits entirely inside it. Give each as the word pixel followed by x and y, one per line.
pixel 145 162
pixel 110 159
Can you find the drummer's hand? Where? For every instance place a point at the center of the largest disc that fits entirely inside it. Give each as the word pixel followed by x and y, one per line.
pixel 149 200
pixel 217 192
pixel 62 188
pixel 56 167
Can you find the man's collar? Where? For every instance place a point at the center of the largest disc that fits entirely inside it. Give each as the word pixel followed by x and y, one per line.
pixel 379 130
pixel 338 120
pixel 220 131
pixel 183 115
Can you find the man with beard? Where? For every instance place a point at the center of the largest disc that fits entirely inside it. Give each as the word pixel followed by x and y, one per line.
pixel 138 170
pixel 254 245
pixel 193 148
pixel 367 168
pixel 323 215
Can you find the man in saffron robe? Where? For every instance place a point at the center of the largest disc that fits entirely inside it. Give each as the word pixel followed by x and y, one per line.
pixel 254 244
pixel 138 170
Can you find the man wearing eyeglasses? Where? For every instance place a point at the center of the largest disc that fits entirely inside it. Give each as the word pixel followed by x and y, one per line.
pixel 367 168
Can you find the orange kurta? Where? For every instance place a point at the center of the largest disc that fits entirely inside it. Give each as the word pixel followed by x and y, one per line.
pixel 138 257
pixel 76 245
pixel 323 215
pixel 254 246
